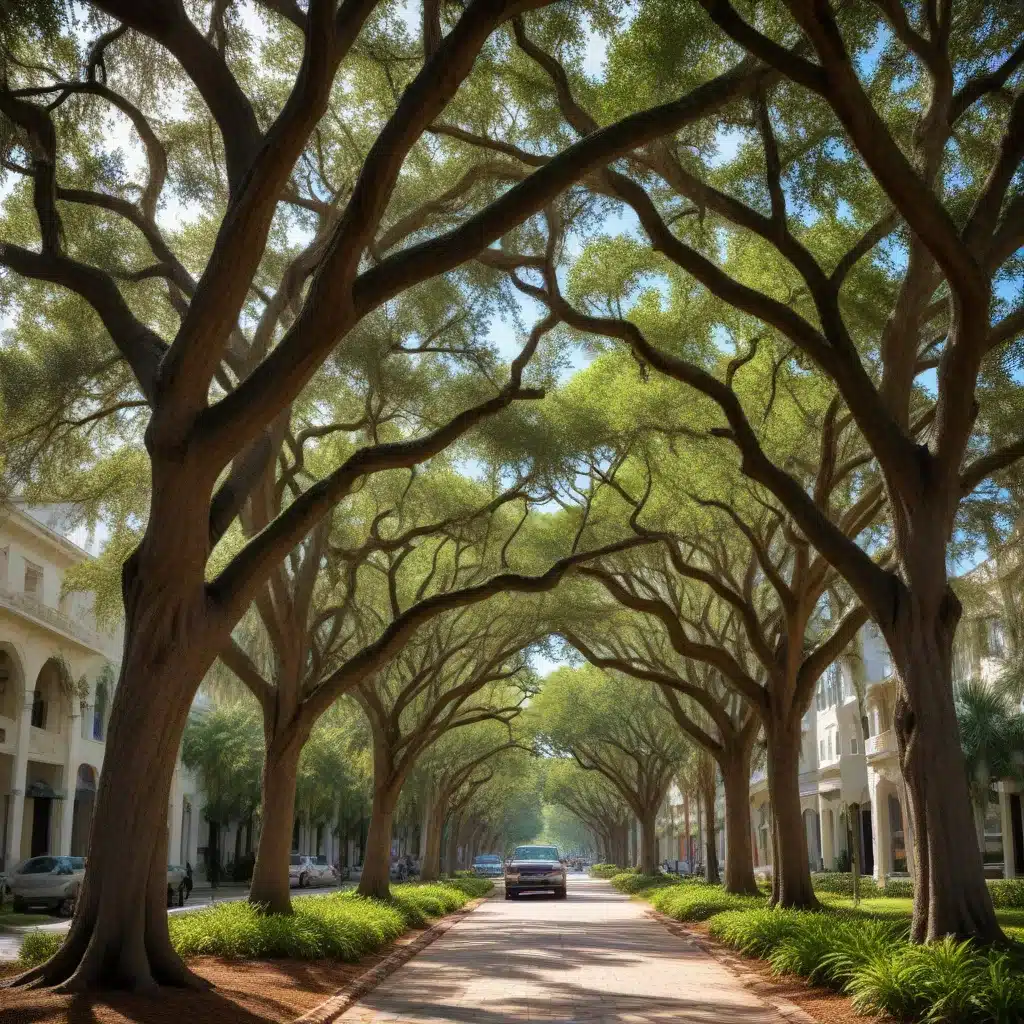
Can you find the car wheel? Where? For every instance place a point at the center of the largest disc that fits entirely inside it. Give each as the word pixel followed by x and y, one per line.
pixel 302 881
pixel 510 894
pixel 561 893
pixel 19 905
pixel 181 895
pixel 170 896
pixel 66 907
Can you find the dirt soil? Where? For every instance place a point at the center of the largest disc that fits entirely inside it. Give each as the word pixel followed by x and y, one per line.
pixel 250 992
pixel 823 1004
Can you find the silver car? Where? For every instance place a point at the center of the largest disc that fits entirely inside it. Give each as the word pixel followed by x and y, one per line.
pixel 535 869
pixel 304 870
pixel 52 883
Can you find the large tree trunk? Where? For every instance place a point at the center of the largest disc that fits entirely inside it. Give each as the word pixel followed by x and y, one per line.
pixel 739 858
pixel 430 869
pixel 451 848
pixel 270 882
pixel 950 894
pixel 791 872
pixel 710 853
pixel 375 880
pixel 119 936
pixel 648 859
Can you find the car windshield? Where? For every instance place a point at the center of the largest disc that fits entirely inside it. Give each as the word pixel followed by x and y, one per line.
pixel 70 863
pixel 535 853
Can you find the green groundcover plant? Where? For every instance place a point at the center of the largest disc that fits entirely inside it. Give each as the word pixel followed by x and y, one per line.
pixel 605 870
pixel 337 926
pixel 866 955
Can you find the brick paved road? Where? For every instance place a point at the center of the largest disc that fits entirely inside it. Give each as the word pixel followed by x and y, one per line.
pixel 594 958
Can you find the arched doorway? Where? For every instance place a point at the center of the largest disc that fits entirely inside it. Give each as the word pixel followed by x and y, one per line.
pixel 12 689
pixel 85 802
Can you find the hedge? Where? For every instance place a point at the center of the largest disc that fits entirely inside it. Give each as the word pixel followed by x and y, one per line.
pixel 633 882
pixel 338 926
pixel 1007 893
pixel 697 901
pixel 605 870
pixel 841 883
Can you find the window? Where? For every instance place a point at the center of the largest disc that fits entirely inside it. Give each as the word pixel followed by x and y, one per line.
pixel 853 745
pixel 33 580
pixel 830 745
pixel 821 749
pixel 865 731
pixel 821 695
pixel 38 710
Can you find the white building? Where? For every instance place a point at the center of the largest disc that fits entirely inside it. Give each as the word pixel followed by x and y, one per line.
pixel 58 670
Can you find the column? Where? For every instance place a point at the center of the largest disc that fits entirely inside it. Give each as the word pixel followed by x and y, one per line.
pixel 19 781
pixel 827 840
pixel 1006 820
pixel 174 814
pixel 67 811
pixel 880 835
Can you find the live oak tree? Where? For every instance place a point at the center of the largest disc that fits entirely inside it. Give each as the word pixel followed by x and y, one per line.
pixel 617 727
pixel 455 764
pixel 710 712
pixel 595 802
pixel 453 675
pixel 871 223
pixel 337 113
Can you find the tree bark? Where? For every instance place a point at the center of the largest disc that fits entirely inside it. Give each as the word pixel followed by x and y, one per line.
pixel 950 894
pixel 791 870
pixel 648 859
pixel 375 880
pixel 119 936
pixel 271 888
pixel 739 858
pixel 430 869
pixel 710 853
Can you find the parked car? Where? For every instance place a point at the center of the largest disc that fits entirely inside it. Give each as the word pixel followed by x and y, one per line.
pixel 304 870
pixel 51 883
pixel 487 865
pixel 535 869
pixel 177 889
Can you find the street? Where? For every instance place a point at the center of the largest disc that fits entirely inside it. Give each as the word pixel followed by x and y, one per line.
pixel 594 957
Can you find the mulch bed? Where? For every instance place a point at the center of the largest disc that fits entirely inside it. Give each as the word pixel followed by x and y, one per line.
pixel 245 992
pixel 250 992
pixel 820 1004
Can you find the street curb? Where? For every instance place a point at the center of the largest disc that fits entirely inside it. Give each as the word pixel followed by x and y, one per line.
pixel 347 996
pixel 784 1007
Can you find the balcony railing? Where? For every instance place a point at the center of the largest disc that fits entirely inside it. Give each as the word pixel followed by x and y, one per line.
pixel 77 629
pixel 883 743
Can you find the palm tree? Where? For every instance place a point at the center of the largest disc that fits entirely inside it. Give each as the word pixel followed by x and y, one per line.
pixel 992 737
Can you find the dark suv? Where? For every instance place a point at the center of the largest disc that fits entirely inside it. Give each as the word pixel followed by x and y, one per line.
pixel 534 869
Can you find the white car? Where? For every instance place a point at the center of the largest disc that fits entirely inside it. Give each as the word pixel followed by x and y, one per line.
pixel 52 883
pixel 304 870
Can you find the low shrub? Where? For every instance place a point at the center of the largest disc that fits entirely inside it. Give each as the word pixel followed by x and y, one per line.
pixel 697 901
pixel 841 883
pixel 900 887
pixel 1007 893
pixel 632 882
pixel 338 926
pixel 420 901
pixel 472 886
pixel 947 982
pixel 39 946
pixel 605 870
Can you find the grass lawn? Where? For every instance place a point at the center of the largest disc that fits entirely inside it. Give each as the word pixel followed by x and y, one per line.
pixel 893 907
pixel 9 919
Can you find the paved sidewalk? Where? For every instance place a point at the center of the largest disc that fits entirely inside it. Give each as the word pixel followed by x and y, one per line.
pixel 594 958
